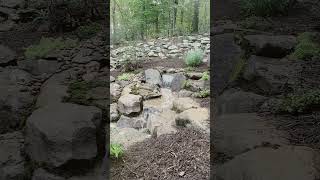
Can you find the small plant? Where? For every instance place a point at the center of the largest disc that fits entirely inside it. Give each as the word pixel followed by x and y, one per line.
pixel 48 45
pixel 202 94
pixel 306 47
pixel 187 84
pixel 88 31
pixel 300 103
pixel 265 7
pixel 194 58
pixel 78 92
pixel 205 76
pixel 125 77
pixel 116 151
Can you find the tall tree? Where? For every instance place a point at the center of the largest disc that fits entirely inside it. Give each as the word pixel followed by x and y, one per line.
pixel 195 22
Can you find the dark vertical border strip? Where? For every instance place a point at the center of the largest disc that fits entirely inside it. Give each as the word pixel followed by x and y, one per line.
pixel 106 5
pixel 212 103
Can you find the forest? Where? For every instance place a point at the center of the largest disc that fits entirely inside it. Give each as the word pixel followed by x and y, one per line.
pixel 142 19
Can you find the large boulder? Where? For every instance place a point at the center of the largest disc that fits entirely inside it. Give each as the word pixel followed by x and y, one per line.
pixel 238 101
pixel 288 162
pixel 7 56
pixel 271 46
pixel 130 104
pixel 177 83
pixel 237 133
pixel 226 56
pixel 62 133
pixel 153 76
pixel 12 163
pixel 269 75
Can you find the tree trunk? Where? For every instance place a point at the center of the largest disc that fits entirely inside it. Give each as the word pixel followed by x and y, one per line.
pixel 114 18
pixel 195 22
pixel 175 13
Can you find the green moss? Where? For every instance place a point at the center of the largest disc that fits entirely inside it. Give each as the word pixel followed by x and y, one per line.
pixel 205 76
pixel 306 47
pixel 125 77
pixel 300 103
pixel 202 94
pixel 48 45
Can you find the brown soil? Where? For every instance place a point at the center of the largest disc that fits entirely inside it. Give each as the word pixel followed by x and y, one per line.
pixel 184 155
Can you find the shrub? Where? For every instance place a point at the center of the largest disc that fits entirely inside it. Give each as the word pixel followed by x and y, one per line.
pixel 205 76
pixel 202 94
pixel 265 7
pixel 125 77
pixel 306 47
pixel 194 58
pixel 187 84
pixel 88 31
pixel 116 151
pixel 300 103
pixel 48 45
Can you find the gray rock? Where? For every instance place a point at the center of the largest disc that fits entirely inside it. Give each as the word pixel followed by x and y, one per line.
pixel 114 114
pixel 178 82
pixel 237 101
pixel 15 98
pixel 185 103
pixel 271 76
pixel 131 122
pixel 41 174
pixel 236 133
pixel 129 104
pixel 194 75
pixel 7 56
pixel 39 66
pixel 288 162
pixel 226 56
pixel 153 76
pixel 167 80
pixel 13 3
pixel 196 85
pixel 61 133
pixel 185 93
pixel 115 91
pixel 11 160
pixel 272 46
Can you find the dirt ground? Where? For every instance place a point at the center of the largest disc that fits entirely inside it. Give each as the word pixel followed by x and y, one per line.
pixel 183 156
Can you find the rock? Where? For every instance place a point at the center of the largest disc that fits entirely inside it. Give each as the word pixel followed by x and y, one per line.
pixel 115 91
pixel 53 90
pixel 7 26
pixel 185 93
pixel 83 57
pixel 112 79
pixel 271 76
pixel 195 117
pixel 126 136
pixel 237 101
pixel 39 66
pixel 129 104
pixel 98 93
pixel 41 174
pixel 12 163
pixel 182 104
pixel 89 77
pixel 226 56
pixel 114 114
pixel 159 123
pixel 152 54
pixel 196 85
pixel 194 75
pixel 64 133
pixel 237 133
pixel 272 46
pixel 178 82
pixel 133 122
pixel 15 98
pixel 167 80
pixel 153 76
pixel 147 91
pixel 7 56
pixel 172 47
pixel 13 3
pixel 289 162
